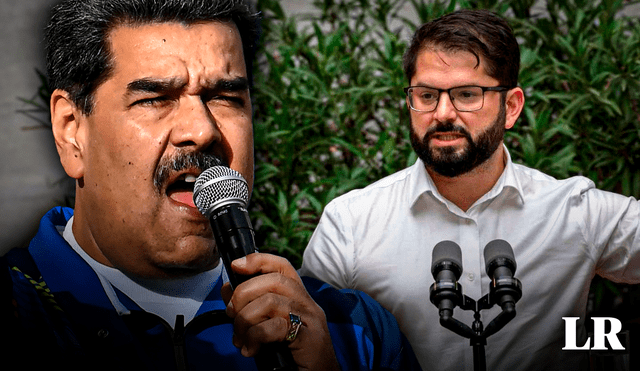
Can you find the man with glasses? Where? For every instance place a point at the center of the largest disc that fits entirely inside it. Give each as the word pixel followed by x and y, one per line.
pixel 147 96
pixel 463 94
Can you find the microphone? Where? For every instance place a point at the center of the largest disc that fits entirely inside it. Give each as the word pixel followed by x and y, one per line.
pixel 222 194
pixel 501 267
pixel 446 268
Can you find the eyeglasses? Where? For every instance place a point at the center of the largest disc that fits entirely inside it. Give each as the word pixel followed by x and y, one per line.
pixel 464 98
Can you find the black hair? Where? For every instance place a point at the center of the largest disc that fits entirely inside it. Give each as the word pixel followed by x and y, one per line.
pixel 480 32
pixel 79 59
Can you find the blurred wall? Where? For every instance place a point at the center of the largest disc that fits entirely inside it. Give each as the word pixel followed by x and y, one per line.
pixel 29 166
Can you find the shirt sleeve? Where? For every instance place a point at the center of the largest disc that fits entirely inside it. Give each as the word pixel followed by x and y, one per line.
pixel 329 256
pixel 365 336
pixel 612 227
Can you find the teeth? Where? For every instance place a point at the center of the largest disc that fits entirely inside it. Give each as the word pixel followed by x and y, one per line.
pixel 190 178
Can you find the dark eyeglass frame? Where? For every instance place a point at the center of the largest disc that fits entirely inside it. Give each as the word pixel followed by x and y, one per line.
pixel 408 89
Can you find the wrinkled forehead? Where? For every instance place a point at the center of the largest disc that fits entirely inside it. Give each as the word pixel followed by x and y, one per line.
pixel 147 33
pixel 209 50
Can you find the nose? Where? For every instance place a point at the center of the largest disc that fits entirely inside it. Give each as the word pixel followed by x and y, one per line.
pixel 445 111
pixel 195 125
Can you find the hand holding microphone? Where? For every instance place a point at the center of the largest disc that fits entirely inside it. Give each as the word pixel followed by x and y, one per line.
pixel 266 297
pixel 222 194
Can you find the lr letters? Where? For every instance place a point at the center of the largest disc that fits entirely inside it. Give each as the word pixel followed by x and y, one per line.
pixel 599 334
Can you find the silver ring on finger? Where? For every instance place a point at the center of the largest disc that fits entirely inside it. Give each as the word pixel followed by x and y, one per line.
pixel 296 322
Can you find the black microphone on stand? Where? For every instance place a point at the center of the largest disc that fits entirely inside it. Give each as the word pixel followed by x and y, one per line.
pixel 505 289
pixel 501 267
pixel 446 293
pixel 446 268
pixel 222 195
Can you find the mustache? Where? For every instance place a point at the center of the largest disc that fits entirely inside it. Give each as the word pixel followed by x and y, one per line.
pixel 183 160
pixel 446 127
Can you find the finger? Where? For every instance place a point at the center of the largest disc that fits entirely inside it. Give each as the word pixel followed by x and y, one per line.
pixel 259 263
pixel 270 331
pixel 272 283
pixel 226 292
pixel 260 310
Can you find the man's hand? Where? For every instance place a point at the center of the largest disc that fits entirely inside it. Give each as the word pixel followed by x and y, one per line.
pixel 260 308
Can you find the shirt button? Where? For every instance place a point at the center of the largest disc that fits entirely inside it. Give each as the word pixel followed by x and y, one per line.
pixel 471 276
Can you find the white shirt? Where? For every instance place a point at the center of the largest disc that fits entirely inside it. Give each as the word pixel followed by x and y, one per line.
pixel 166 298
pixel 380 239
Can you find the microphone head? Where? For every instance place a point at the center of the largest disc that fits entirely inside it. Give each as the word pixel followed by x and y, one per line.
pixel 218 186
pixel 499 253
pixel 446 253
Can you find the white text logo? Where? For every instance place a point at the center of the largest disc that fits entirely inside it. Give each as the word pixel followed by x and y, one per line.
pixel 599 334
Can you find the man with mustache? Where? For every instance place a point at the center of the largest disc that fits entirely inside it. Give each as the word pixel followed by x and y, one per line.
pixel 463 94
pixel 147 95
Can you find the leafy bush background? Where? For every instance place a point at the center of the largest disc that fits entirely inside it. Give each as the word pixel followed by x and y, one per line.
pixel 330 113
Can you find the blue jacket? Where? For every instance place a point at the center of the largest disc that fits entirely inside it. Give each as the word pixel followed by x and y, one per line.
pixel 59 315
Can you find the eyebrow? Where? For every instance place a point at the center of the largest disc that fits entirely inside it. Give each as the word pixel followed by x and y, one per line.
pixel 230 85
pixel 152 85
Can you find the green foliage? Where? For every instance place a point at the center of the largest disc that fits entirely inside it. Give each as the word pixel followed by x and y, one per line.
pixel 330 114
pixel 328 103
pixel 581 72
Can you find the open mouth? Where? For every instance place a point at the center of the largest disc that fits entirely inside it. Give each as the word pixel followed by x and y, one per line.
pixel 181 189
pixel 448 136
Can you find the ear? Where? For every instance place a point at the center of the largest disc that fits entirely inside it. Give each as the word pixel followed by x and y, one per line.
pixel 514 105
pixel 68 131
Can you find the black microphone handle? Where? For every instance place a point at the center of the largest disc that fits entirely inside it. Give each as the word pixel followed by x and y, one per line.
pixel 450 273
pixel 507 291
pixel 235 239
pixel 234 236
pixel 502 271
pixel 501 267
pixel 446 268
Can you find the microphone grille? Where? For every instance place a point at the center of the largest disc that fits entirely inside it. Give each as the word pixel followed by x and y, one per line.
pixel 446 251
pixel 498 250
pixel 219 185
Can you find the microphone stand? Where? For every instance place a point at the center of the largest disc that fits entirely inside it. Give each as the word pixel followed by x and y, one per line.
pixel 507 291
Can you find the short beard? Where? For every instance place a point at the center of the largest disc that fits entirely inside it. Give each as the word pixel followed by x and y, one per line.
pixel 448 163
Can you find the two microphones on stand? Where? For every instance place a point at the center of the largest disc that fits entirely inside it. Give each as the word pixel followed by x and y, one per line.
pixel 446 292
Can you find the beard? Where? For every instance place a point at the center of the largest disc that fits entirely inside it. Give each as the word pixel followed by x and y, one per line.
pixel 450 162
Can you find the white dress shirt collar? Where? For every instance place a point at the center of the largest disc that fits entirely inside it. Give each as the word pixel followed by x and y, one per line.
pixel 421 183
